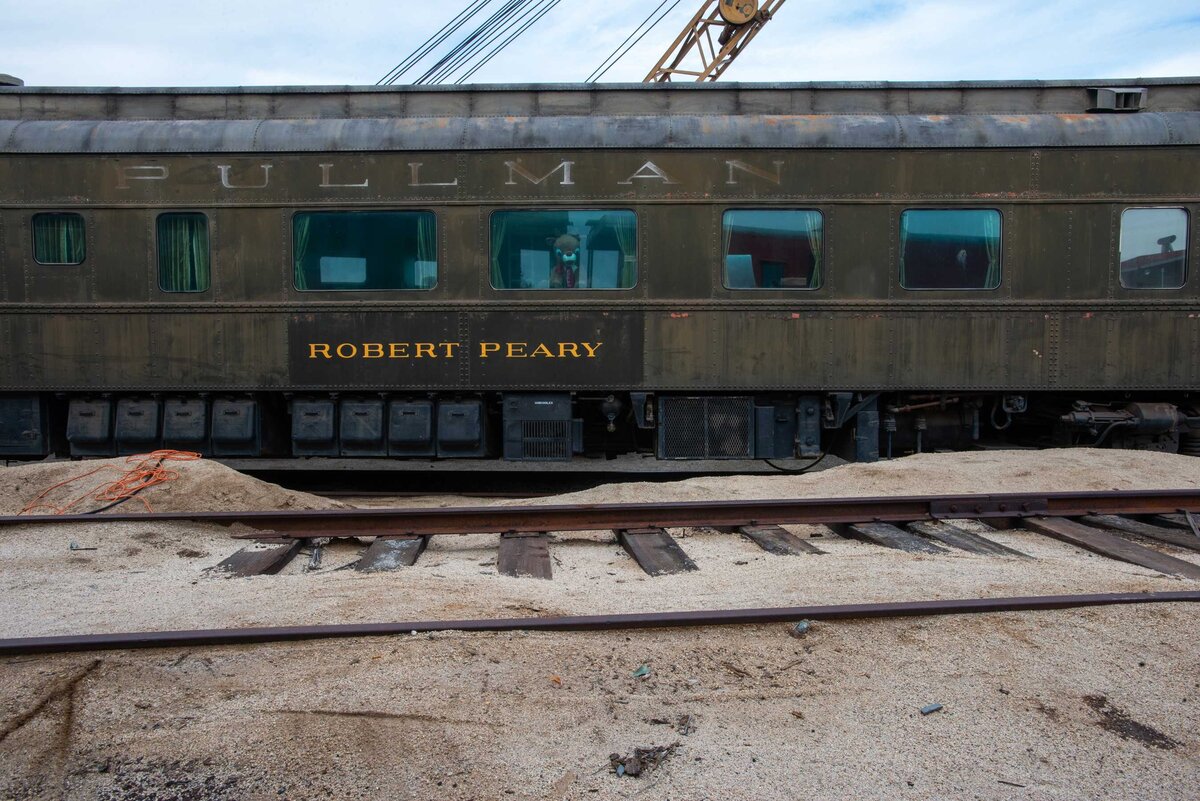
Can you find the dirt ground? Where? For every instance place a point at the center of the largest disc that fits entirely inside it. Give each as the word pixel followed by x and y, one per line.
pixel 1098 703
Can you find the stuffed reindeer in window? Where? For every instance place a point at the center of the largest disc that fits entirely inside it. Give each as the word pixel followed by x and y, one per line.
pixel 565 272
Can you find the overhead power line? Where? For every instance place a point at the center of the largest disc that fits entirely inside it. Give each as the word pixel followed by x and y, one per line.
pixel 464 57
pixel 610 61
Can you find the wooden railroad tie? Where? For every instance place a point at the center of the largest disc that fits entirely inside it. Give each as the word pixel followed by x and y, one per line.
pixel 525 555
pixel 655 551
pixel 1108 544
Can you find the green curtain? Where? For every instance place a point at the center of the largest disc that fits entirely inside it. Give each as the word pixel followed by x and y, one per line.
pixel 499 227
pixel 727 225
pixel 624 225
pixel 301 228
pixel 183 256
pixel 991 234
pixel 816 243
pixel 903 245
pixel 426 249
pixel 58 238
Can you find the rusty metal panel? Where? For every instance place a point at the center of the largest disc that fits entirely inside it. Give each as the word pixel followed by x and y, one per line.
pixel 952 350
pixel 860 350
pixel 1152 348
pixel 80 351
pixel 678 345
pixel 772 349
pixel 1083 350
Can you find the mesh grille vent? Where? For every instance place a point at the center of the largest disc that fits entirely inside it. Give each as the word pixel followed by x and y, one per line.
pixel 706 428
pixel 546 439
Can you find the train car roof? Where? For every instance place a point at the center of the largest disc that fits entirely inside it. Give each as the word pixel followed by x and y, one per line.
pixel 609 116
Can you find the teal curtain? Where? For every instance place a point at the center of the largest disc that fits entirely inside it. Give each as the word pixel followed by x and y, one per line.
pixel 426 250
pixel 301 228
pixel 58 238
pixel 499 227
pixel 903 246
pixel 183 253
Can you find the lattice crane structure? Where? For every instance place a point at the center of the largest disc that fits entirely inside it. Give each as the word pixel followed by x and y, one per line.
pixel 734 22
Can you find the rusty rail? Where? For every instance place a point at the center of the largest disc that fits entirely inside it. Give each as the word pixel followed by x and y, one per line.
pixel 584 517
pixel 722 617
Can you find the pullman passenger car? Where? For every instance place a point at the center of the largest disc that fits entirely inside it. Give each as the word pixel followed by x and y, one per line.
pixel 533 272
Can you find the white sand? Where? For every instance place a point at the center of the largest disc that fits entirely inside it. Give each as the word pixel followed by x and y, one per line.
pixel 458 716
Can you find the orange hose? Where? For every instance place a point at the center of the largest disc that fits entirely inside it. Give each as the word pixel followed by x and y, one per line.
pixel 147 471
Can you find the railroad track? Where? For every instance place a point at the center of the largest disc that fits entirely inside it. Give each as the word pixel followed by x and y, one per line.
pixel 1115 524
pixel 1118 525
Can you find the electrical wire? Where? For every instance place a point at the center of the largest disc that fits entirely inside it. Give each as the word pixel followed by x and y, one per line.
pixel 632 33
pixel 422 50
pixel 468 46
pixel 602 69
pixel 549 6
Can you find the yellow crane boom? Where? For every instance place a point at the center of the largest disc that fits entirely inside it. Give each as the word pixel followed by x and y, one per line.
pixel 736 23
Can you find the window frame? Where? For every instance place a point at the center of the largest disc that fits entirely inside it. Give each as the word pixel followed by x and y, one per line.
pixel 291 247
pixel 1186 250
pixel 33 238
pixel 722 267
pixel 900 252
pixel 637 249
pixel 208 228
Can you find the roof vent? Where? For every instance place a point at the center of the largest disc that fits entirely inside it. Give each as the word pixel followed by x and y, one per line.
pixel 1120 98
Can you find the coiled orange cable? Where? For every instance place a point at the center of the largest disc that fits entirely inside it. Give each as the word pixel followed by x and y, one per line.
pixel 147 471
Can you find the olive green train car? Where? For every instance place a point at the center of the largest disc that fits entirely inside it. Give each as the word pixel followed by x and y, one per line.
pixel 537 272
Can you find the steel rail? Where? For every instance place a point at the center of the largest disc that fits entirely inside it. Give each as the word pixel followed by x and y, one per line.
pixel 651 620
pixel 586 517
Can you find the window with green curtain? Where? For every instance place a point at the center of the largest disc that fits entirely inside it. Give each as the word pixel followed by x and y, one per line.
pixel 773 248
pixel 184 261
pixel 564 249
pixel 58 238
pixel 364 250
pixel 950 249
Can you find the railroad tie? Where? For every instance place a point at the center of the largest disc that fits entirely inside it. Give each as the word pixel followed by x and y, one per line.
pixel 525 555
pixel 1126 525
pixel 255 561
pixel 391 553
pixel 777 540
pixel 655 551
pixel 888 536
pixel 1110 545
pixel 969 541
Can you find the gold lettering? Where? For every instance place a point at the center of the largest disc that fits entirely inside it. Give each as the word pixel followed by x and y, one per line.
pixel 648 172
pixel 351 350
pixel 326 184
pixel 425 349
pixel 398 350
pixel 516 350
pixel 764 174
pixel 372 350
pixel 486 348
pixel 448 348
pixel 542 351
pixel 314 348
pixel 591 350
pixel 415 168
pixel 515 169
pixel 564 347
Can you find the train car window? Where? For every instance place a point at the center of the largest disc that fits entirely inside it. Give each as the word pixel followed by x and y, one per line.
pixel 950 249
pixel 773 248
pixel 575 249
pixel 1154 245
pixel 184 261
pixel 58 238
pixel 364 250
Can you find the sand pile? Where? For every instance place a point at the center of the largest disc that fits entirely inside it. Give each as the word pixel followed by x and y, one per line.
pixel 1064 470
pixel 200 486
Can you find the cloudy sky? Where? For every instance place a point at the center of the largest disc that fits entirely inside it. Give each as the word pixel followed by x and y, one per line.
pixel 267 42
